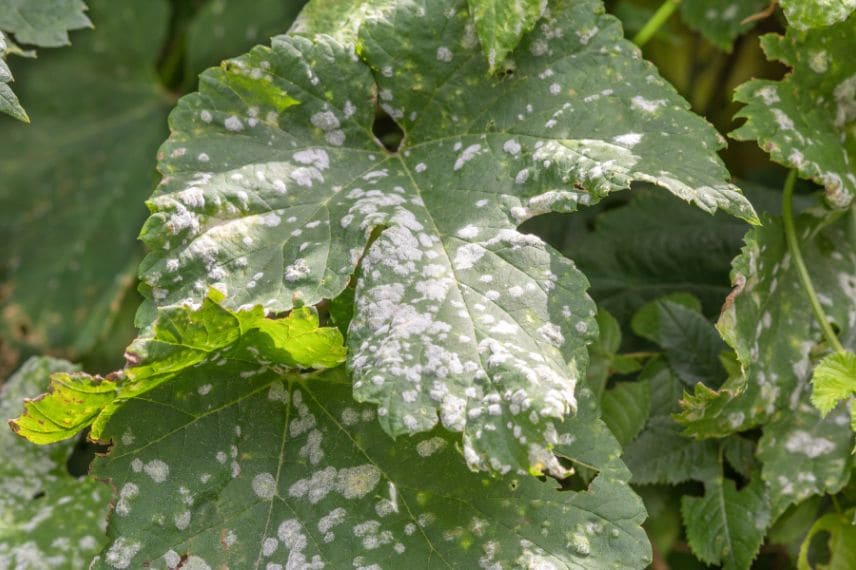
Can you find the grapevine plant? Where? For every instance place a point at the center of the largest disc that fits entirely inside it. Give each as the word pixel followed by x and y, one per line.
pixel 391 308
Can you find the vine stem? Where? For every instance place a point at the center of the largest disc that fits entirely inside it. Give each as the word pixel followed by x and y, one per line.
pixel 805 279
pixel 666 9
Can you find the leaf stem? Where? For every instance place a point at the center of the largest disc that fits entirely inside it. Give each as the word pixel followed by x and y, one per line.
pixel 666 9
pixel 805 279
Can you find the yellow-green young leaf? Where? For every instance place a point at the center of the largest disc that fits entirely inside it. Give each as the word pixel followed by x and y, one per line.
pixel 73 402
pixel 833 380
pixel 840 551
pixel 727 526
pixel 182 337
pixel 500 24
pixel 805 121
pixel 48 518
pixel 287 471
pixel 459 317
pixel 340 19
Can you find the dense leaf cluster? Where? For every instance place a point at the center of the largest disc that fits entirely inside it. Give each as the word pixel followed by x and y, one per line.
pixel 393 308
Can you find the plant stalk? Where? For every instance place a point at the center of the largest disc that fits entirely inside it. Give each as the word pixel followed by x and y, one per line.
pixel 663 13
pixel 805 279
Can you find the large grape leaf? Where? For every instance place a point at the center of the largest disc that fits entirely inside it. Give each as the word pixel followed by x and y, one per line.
pixel 182 337
pixel 804 454
pixel 806 120
pixel 48 519
pixel 727 526
pixel 805 14
pixel 43 23
pixel 74 180
pixel 721 21
pixel 274 183
pixel 282 471
pixel 770 325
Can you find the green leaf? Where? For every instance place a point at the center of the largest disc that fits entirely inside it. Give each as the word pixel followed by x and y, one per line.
pixel 660 454
pixel 769 323
pixel 805 14
pixel 651 247
pixel 602 352
pixel 8 100
pixel 690 342
pixel 223 28
pixel 48 519
pixel 182 337
pixel 284 470
pixel 718 21
pixel 500 24
pixel 805 121
pixel 74 181
pixel 340 19
pixel 804 454
pixel 841 545
pixel 457 313
pixel 625 409
pixel 43 23
pixel 727 526
pixel 834 380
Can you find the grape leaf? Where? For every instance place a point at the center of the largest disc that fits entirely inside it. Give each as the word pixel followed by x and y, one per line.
pixel 223 28
pixel 274 182
pixel 727 526
pixel 805 121
pixel 833 380
pixel 804 454
pixel 721 21
pixel 287 471
pixel 48 519
pixel 9 103
pixel 770 325
pixel 181 338
pixel 73 179
pixel 805 14
pixel 43 23
pixel 500 24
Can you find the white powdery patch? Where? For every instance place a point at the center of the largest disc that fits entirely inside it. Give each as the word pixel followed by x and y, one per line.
pixel 157 470
pixel 802 442
pixel 629 140
pixel 647 105
pixel 468 232
pixel 429 447
pixel 468 154
pixel 233 124
pixel 467 255
pixel 444 54
pixel 121 552
pixel 297 270
pixel 785 123
pixel 264 486
pixel 182 520
pixel 512 147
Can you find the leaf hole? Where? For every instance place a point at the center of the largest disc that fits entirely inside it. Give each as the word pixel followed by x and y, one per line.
pixel 387 131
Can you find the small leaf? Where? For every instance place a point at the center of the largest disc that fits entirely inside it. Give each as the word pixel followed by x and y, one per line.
pixel 720 22
pixel 805 14
pixel 625 409
pixel 840 546
pixel 727 526
pixel 500 24
pixel 48 519
pixel 8 101
pixel 43 23
pixel 833 380
pixel 805 120
pixel 691 343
